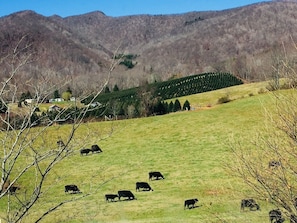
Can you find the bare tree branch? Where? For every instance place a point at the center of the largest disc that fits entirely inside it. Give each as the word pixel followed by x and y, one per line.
pixel 26 147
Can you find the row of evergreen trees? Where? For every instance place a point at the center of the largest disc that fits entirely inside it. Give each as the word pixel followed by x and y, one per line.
pixel 129 109
pixel 150 99
pixel 174 88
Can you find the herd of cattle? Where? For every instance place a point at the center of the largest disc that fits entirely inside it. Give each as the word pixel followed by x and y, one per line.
pixel 128 195
pixel 275 216
pixel 140 186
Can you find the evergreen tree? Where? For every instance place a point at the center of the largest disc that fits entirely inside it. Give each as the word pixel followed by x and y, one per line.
pixel 116 88
pixel 170 107
pixel 56 94
pixel 177 106
pixel 186 105
pixel 160 108
pixel 166 107
pixel 26 95
pixel 106 90
pixel 69 90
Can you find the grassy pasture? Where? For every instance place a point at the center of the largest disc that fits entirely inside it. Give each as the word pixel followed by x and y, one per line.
pixel 189 148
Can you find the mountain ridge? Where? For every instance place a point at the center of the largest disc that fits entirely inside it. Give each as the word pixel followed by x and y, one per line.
pixel 245 41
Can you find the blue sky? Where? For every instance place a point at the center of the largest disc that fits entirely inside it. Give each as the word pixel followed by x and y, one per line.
pixel 116 8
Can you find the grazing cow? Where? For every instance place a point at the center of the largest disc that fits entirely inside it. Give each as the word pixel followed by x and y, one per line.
pixel 13 189
pixel 144 185
pixel 249 203
pixel 84 151
pixel 156 175
pixel 275 216
pixel 96 149
pixel 73 189
pixel 126 193
pixel 111 197
pixel 190 203
pixel 274 163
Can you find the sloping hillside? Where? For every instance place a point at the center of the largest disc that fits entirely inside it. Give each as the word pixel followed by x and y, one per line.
pixel 189 148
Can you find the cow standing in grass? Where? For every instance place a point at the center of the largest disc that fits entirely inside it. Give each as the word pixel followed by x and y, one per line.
pixel 96 149
pixel 85 151
pixel 111 197
pixel 144 186
pixel 249 203
pixel 73 189
pixel 191 203
pixel 275 216
pixel 155 175
pixel 126 193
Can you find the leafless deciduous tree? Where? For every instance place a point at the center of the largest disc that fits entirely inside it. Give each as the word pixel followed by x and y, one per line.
pixel 28 150
pixel 268 163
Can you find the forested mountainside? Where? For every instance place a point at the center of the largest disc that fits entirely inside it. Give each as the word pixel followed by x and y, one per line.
pixel 248 42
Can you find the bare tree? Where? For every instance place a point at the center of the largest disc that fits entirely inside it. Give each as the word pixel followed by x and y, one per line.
pixel 27 150
pixel 268 164
pixel 147 99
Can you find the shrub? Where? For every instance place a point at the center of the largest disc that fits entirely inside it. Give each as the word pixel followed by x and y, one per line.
pixel 261 91
pixel 224 99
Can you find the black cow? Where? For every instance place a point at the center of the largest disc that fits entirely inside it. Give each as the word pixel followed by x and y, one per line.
pixel 126 193
pixel 84 151
pixel 13 189
pixel 72 189
pixel 144 186
pixel 111 197
pixel 249 203
pixel 96 149
pixel 190 203
pixel 156 175
pixel 274 163
pixel 275 216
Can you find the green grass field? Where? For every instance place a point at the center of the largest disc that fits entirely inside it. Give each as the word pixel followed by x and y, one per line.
pixel 190 149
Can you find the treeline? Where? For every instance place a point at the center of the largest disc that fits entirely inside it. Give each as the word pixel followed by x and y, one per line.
pixel 150 99
pixel 116 109
pixel 175 88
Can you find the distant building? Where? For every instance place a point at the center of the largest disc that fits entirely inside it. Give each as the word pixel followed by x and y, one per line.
pixel 56 100
pixel 30 100
pixel 95 104
pixel 54 108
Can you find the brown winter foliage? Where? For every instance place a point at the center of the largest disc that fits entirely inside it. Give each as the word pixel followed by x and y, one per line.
pixel 246 41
